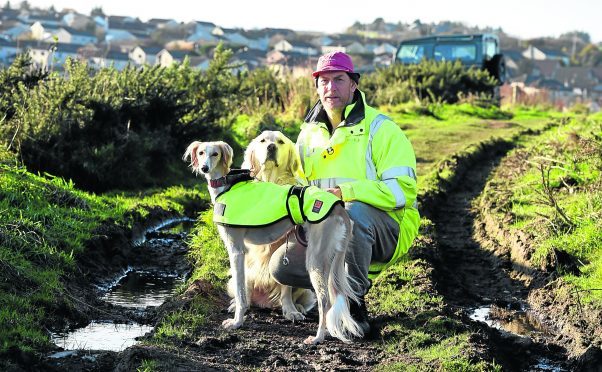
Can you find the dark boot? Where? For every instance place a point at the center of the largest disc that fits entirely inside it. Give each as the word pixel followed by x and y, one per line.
pixel 359 312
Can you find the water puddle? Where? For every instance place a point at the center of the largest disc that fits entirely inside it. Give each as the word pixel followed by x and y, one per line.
pixel 101 336
pixel 137 289
pixel 517 322
pixel 140 289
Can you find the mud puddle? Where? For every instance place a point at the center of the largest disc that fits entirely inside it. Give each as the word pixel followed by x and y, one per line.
pixel 139 288
pixel 484 285
pixel 520 323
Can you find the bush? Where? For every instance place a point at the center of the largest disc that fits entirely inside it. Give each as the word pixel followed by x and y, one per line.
pixel 119 129
pixel 428 81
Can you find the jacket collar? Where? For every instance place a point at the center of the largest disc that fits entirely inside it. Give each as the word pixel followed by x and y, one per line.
pixel 354 112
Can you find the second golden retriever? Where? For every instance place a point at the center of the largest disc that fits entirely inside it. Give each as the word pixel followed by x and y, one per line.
pixel 272 157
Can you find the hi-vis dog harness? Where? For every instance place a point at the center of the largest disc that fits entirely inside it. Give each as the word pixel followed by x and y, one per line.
pixel 257 204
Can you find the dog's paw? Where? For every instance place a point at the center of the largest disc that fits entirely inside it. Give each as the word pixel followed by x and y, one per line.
pixel 293 315
pixel 312 340
pixel 301 308
pixel 231 324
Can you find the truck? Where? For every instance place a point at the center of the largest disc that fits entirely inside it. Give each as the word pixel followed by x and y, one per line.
pixel 479 50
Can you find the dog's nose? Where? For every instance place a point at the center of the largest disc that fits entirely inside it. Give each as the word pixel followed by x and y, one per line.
pixel 205 168
pixel 271 147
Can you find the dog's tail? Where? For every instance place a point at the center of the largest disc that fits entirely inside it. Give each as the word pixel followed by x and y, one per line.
pixel 339 321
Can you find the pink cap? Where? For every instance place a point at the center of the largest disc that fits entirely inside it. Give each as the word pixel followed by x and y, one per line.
pixel 335 61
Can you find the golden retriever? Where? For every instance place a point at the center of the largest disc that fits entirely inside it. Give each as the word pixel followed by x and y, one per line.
pixel 272 157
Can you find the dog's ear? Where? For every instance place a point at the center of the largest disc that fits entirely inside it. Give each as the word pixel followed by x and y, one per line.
pixel 191 153
pixel 294 162
pixel 227 154
pixel 249 161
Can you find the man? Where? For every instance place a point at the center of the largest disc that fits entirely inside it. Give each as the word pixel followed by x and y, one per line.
pixel 361 156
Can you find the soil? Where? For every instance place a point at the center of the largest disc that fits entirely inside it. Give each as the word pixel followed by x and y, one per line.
pixel 469 269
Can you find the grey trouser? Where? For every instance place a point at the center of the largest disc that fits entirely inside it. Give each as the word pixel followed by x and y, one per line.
pixel 374 239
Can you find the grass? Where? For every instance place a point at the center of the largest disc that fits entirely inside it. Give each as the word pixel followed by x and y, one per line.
pixel 556 197
pixel 456 128
pixel 45 223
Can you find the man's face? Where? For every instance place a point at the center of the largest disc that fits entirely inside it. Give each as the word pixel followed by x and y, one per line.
pixel 335 90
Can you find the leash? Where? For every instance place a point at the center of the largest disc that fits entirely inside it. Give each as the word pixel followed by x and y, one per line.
pixel 285 259
pixel 301 239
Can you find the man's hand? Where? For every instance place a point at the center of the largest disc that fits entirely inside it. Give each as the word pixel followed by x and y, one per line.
pixel 335 191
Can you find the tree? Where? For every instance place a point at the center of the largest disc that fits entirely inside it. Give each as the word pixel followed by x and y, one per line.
pixel 97 11
pixel 580 35
pixel 24 5
pixel 6 6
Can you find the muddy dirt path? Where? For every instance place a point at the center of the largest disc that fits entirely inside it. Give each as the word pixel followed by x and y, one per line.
pixel 478 284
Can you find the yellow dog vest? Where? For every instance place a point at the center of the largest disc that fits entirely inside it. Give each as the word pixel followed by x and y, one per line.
pixel 257 204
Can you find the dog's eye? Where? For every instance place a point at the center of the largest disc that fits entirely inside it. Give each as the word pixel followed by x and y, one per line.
pixel 281 142
pixel 214 154
pixel 262 141
pixel 202 153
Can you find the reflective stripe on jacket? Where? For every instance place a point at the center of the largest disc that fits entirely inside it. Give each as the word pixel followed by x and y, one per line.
pixel 370 159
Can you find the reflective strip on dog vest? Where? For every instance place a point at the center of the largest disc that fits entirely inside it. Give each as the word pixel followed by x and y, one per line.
pixel 258 204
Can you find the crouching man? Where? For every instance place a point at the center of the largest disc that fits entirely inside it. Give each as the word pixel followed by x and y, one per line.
pixel 363 157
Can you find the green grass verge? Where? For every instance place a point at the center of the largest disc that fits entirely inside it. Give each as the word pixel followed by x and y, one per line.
pixel 417 334
pixel 45 223
pixel 555 195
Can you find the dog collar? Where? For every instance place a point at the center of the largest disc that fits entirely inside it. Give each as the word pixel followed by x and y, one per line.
pixel 232 178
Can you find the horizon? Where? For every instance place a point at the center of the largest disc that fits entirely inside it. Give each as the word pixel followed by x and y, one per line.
pixel 313 15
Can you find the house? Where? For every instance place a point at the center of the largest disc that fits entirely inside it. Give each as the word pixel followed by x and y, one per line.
pixel 545 68
pixel 384 48
pixel 163 23
pixel 534 53
pixel 111 58
pixel 235 37
pixel 17 32
pixel 70 35
pixel 128 24
pixel 77 21
pixel 583 80
pixel 249 58
pixel 299 47
pixel 8 51
pixel 513 59
pixel 351 47
pixel 50 20
pixel 203 27
pixel 258 40
pixel 291 63
pixel 203 37
pixel 119 36
pixel 166 58
pixel 144 55
pixel 50 56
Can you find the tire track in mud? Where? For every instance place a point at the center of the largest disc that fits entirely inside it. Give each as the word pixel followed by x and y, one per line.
pixel 468 276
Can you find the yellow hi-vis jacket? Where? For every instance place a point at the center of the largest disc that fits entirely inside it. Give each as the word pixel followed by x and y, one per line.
pixel 370 159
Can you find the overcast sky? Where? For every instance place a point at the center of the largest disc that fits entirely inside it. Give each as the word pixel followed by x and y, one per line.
pixel 521 18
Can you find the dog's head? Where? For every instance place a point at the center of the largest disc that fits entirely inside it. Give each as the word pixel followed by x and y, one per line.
pixel 206 157
pixel 272 150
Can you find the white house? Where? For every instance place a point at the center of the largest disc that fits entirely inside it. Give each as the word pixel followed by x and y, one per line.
pixel 71 36
pixel 296 47
pixel 166 58
pixel 535 53
pixel 144 55
pixel 115 59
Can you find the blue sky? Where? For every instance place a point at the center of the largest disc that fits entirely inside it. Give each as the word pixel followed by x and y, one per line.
pixel 521 18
